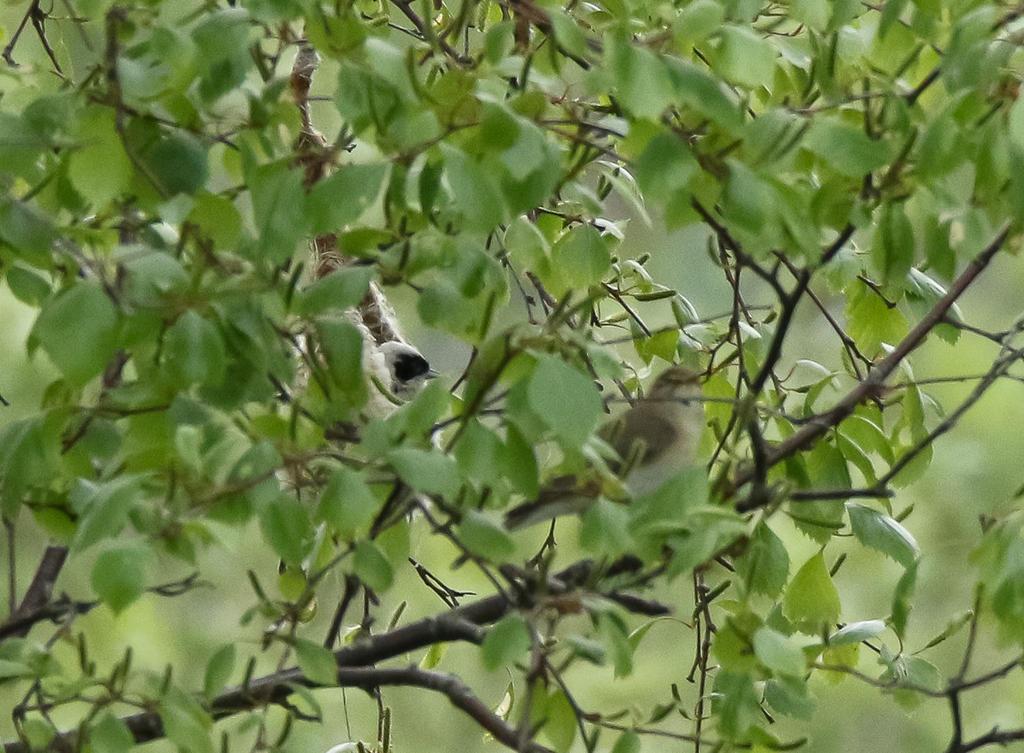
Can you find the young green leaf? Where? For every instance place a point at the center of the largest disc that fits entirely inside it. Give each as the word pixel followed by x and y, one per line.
pixel 78 331
pixel 485 537
pixel 764 566
pixel 347 503
pixel 565 399
pixel 286 527
pixel 779 653
pixel 879 531
pixel 119 576
pixel 219 669
pixel 372 566
pixel 426 470
pixel 811 601
pixel 316 662
pixel 506 642
pixel 110 735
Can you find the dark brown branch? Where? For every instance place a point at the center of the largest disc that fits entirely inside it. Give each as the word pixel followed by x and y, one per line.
pixel 148 726
pixel 995 737
pixel 60 609
pixel 808 495
pixel 37 597
pixel 461 624
pixel 789 306
pixel 352 585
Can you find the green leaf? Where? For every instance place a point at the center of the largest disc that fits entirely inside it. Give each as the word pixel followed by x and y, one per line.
pixel 855 632
pixel 699 19
pixel 99 168
pixel 219 669
pixel 568 33
pixel 426 470
pixel 347 504
pixel 485 537
pixel 779 653
pixel 186 723
pixel 813 13
pixel 890 15
pixel 342 346
pixel 705 94
pixel 612 629
pixel 316 662
pixel 559 721
pixel 26 458
pixel 879 531
pixel 341 289
pixel 119 577
pixel 80 351
pixel 811 601
pixel 628 742
pixel 26 230
pixel 342 198
pixel 26 285
pixel 506 642
pixel 194 351
pixel 566 400
pixel 893 249
pixel 642 81
pixel 518 463
pixel 9 669
pixel 789 696
pixel 218 218
pixel 475 190
pixel 110 735
pixel 953 626
pixel 665 165
pixel 433 656
pixel 605 528
pixel 286 527
pixel 764 567
pixel 103 510
pixel 372 566
pixel 178 163
pixel 1015 123
pixel 736 703
pixel 581 256
pixel 901 596
pixel 871 321
pixel 479 454
pixel 746 57
pixel 222 41
pixel 279 210
pixel 845 148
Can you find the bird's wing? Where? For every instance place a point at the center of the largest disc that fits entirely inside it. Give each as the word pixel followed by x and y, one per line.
pixel 643 429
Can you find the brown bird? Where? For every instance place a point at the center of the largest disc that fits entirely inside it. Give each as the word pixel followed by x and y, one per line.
pixel 655 440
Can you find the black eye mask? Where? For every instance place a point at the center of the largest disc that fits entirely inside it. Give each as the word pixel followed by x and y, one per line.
pixel 408 366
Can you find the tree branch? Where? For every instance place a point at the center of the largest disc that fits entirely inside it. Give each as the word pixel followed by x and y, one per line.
pixel 355 666
pixel 38 595
pixel 873 383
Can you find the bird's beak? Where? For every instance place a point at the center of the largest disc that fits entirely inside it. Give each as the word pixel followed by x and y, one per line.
pixel 433 373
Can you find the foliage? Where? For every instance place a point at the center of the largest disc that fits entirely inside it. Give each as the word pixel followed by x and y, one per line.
pixel 196 247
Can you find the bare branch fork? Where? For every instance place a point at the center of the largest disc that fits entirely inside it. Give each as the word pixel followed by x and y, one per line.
pixel 874 382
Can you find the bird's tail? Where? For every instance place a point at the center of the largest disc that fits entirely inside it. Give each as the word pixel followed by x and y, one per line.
pixel 529 513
